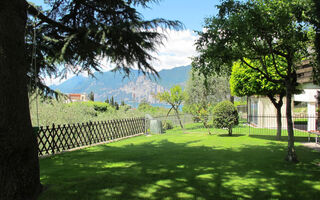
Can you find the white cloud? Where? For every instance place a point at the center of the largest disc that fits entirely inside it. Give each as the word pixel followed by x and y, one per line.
pixel 176 51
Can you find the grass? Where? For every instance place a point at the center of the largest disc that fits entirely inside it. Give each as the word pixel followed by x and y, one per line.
pixel 177 165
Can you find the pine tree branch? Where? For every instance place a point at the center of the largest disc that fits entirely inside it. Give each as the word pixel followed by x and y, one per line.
pixel 36 13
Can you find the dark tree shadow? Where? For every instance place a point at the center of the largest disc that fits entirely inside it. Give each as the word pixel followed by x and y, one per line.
pixel 283 138
pixel 233 135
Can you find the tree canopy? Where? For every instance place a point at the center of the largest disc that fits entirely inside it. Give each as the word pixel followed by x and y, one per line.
pixel 245 81
pixel 263 31
pixel 175 98
pixel 79 34
pixel 211 89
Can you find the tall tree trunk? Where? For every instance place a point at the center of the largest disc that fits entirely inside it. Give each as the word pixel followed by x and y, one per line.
pixel 19 164
pixel 279 123
pixel 177 112
pixel 230 131
pixel 232 99
pixel 291 156
pixel 278 106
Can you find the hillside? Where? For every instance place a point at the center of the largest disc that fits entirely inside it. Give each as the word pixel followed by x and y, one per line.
pixel 136 87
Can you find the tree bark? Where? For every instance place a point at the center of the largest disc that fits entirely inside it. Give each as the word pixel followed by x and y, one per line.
pixel 176 110
pixel 230 131
pixel 19 164
pixel 291 156
pixel 279 123
pixel 232 99
pixel 278 106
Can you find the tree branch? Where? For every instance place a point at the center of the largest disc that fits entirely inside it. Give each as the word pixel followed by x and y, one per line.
pixel 264 74
pixel 274 61
pixel 36 13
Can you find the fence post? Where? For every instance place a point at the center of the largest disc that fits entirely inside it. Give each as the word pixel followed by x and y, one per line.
pixel 53 140
pixel 249 126
pixel 89 133
pixel 145 127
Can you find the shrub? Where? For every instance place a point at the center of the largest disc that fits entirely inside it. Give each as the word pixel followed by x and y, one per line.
pixel 167 124
pixel 125 108
pixel 98 106
pixel 225 115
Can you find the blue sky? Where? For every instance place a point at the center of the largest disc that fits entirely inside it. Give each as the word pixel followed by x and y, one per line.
pixel 189 12
pixel 179 46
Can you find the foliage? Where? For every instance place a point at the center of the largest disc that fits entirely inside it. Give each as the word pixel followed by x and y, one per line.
pixel 312 16
pixel 125 108
pixel 261 31
pixel 174 98
pixel 98 106
pixel 245 81
pixel 91 96
pixel 76 33
pixel 192 109
pixel 200 113
pixel 167 124
pixel 144 106
pixel 240 103
pixel 107 100
pixel 225 115
pixel 59 112
pixel 206 90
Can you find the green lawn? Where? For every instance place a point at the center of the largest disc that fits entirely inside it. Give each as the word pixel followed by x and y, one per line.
pixel 177 165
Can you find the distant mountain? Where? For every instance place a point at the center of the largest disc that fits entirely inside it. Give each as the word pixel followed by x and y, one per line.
pixel 137 87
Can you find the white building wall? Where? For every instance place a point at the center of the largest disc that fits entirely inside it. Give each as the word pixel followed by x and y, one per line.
pixel 267 113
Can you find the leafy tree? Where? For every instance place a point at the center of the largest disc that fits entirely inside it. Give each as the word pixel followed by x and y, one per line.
pixel 312 16
pixel 74 34
pixel 116 105
pixel 91 96
pixel 112 101
pixel 225 115
pixel 144 106
pixel 107 100
pixel 246 81
pixel 258 31
pixel 122 103
pixel 206 90
pixel 175 98
pixel 203 92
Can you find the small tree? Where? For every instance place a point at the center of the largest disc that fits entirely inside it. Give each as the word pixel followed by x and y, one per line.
pixel 246 81
pixel 116 105
pixel 91 96
pixel 112 101
pixel 175 98
pixel 107 100
pixel 225 115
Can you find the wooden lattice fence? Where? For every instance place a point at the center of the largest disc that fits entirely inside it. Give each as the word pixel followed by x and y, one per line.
pixel 58 138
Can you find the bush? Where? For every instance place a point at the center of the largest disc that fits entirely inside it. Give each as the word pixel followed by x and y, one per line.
pixel 98 106
pixel 225 115
pixel 167 124
pixel 125 108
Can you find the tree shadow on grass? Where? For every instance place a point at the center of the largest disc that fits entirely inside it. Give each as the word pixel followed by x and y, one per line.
pixel 233 135
pixel 167 170
pixel 283 138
